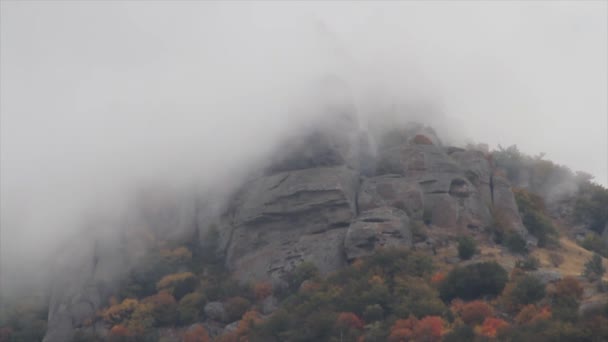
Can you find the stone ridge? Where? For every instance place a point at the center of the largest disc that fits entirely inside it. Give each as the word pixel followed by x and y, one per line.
pixel 328 210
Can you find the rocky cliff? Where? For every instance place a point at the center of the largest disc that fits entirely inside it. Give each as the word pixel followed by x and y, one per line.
pixel 328 197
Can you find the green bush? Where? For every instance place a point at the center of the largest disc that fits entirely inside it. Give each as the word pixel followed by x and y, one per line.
pixel 467 247
pixel 528 290
pixel 534 217
pixel 590 207
pixel 189 307
pixel 594 268
pixel 595 243
pixel 515 243
pixel 474 281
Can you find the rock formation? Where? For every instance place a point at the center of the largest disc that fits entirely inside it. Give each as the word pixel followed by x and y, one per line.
pixel 326 198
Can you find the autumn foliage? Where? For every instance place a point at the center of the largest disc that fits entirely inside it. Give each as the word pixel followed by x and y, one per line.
pixel 119 330
pixel 347 320
pixel 476 312
pixel 249 320
pixel 196 334
pixel 492 326
pixel 437 278
pixel 429 328
pixel 532 314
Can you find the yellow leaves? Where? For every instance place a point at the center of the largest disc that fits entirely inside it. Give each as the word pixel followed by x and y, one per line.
pixel 171 280
pixel 118 312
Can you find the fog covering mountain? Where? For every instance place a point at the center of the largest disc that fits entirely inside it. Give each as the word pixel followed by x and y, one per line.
pixel 112 113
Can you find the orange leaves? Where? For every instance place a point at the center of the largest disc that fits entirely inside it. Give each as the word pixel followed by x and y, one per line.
pixel 196 334
pixel 173 279
pixel 349 320
pixel 250 319
pixel 403 329
pixel 492 326
pixel 532 314
pixel 161 298
pixel 119 330
pixel 437 278
pixel 119 312
pixel 476 312
pixel 262 290
pixel 430 329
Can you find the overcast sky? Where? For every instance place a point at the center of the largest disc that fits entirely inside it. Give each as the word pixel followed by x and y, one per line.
pixel 97 96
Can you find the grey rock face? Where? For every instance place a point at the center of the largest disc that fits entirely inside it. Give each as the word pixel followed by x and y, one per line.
pixel 506 207
pixel 377 228
pixel 547 276
pixel 215 311
pixel 392 191
pixel 290 217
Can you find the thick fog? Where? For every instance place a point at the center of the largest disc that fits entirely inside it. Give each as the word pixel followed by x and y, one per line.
pixel 98 98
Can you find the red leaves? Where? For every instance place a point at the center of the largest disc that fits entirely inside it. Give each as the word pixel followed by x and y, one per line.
pixel 430 329
pixel 491 327
pixel 476 312
pixel 437 278
pixel 196 334
pixel 119 330
pixel 349 320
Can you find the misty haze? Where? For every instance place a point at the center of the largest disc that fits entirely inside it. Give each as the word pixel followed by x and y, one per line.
pixel 323 171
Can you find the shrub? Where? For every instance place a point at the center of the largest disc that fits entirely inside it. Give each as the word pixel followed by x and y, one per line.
pixel 414 296
pixel 163 307
pixel 528 290
pixel 590 207
pixel 236 307
pixel 534 217
pixel 189 307
pixel 530 263
pixel 594 268
pixel 197 333
pixel 429 328
pixel 474 281
pixel 476 312
pixel 467 247
pixel 515 243
pixel 568 287
pixel 373 313
pixel 595 243
pixel 178 284
pixel 459 334
pixel 492 326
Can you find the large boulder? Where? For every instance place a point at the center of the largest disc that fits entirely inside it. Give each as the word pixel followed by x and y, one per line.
pixel 377 228
pixel 283 219
pixel 505 207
